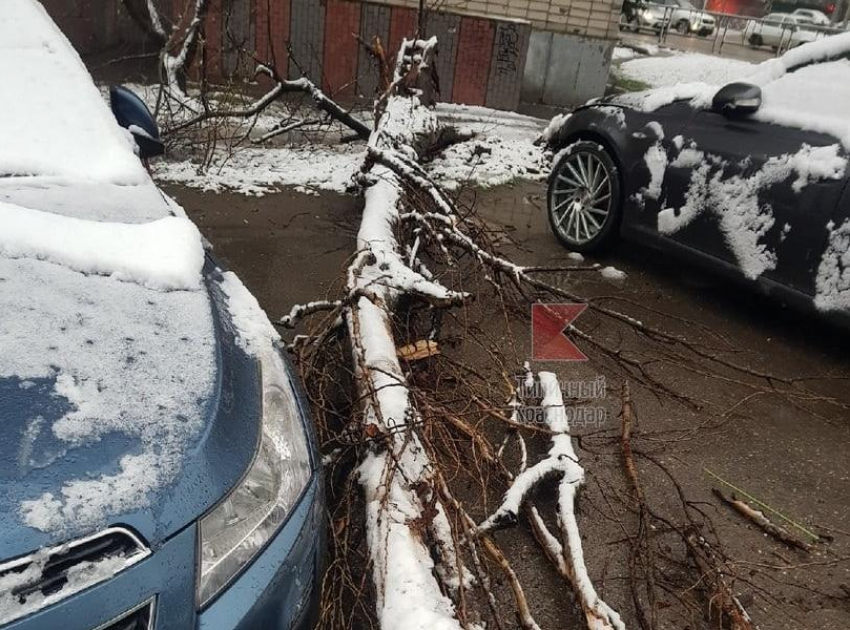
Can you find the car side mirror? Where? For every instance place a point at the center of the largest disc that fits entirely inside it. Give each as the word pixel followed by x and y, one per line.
pixel 131 113
pixel 737 99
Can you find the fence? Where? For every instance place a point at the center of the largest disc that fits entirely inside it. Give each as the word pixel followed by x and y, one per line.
pixel 778 33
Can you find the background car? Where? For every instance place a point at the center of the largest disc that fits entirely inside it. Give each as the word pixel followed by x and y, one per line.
pixel 811 16
pixel 639 15
pixel 687 19
pixel 778 30
pixel 678 14
pixel 750 180
pixel 158 467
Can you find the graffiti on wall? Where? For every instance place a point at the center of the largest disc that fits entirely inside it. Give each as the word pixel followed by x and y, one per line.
pixel 507 49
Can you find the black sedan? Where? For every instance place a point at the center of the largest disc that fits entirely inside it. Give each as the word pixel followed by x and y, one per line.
pixel 750 178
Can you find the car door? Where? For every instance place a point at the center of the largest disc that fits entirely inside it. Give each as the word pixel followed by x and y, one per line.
pixel 770 30
pixel 787 36
pixel 737 191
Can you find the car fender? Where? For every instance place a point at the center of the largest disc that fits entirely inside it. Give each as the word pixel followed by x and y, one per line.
pixel 602 122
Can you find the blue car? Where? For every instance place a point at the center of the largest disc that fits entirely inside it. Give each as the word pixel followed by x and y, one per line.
pixel 158 468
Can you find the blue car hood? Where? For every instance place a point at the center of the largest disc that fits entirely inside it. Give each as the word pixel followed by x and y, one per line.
pixel 157 420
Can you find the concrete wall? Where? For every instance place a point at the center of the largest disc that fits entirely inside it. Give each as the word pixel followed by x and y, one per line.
pixel 565 69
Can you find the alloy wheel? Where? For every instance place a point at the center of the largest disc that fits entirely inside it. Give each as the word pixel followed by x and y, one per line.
pixel 581 197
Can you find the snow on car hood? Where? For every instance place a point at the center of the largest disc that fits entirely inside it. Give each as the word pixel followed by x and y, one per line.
pixel 114 362
pixel 110 375
pixel 165 254
pixel 54 120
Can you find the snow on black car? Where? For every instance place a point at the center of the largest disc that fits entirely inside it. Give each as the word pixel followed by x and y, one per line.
pixel 750 179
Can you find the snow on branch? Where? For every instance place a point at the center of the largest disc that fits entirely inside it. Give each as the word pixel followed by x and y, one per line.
pixel 561 460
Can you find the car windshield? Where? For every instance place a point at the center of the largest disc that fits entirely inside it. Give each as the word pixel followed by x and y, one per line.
pixel 73 136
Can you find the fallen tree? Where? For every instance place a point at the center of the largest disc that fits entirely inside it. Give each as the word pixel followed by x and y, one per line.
pixel 418 558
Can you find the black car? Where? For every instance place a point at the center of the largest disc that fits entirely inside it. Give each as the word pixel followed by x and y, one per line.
pixel 750 178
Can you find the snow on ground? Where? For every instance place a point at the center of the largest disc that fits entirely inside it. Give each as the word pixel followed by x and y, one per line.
pixel 621 53
pixel 685 68
pixel 260 170
pixel 502 150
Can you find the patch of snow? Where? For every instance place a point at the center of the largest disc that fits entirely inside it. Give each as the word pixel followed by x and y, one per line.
pixel 621 53
pixel 803 98
pixel 502 150
pixel 489 161
pixel 554 126
pixel 685 68
pixel 257 171
pixel 807 99
pixel 166 254
pixel 575 256
pixel 54 121
pixel 612 273
pixel 254 331
pixel 828 48
pixel 832 283
pixel 656 162
pixel 130 362
pixel 79 577
pixel 687 158
pixel 491 122
pixel 616 113
pixel 744 220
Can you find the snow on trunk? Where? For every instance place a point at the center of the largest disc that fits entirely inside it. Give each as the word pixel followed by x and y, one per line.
pixel 396 475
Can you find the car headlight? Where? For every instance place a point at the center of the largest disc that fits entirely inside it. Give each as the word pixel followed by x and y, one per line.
pixel 241 525
pixel 647 14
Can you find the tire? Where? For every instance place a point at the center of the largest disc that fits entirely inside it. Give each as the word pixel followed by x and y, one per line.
pixel 634 24
pixel 682 27
pixel 584 211
pixel 756 40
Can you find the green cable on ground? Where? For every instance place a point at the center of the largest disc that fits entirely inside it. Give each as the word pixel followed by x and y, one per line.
pixel 744 493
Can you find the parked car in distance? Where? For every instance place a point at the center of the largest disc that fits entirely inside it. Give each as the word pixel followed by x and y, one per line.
pixel 158 469
pixel 778 30
pixel 751 180
pixel 680 15
pixel 637 15
pixel 811 16
pixel 688 19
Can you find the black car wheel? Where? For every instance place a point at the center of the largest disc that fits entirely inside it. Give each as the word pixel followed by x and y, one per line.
pixel 634 24
pixel 756 40
pixel 682 27
pixel 584 197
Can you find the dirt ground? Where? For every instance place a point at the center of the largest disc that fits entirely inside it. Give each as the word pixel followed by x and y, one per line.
pixel 789 451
